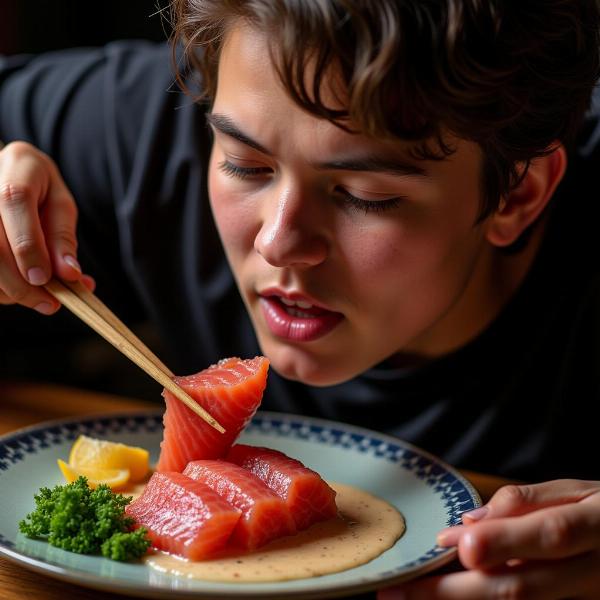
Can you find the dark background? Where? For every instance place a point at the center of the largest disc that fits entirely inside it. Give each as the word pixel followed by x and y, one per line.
pixel 60 349
pixel 41 25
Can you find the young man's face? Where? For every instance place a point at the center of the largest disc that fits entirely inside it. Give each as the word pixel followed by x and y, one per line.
pixel 346 251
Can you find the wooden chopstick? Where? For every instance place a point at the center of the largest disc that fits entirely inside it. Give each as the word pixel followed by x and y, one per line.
pixel 109 316
pixel 92 311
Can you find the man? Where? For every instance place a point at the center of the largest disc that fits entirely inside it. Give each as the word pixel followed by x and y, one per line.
pixel 383 180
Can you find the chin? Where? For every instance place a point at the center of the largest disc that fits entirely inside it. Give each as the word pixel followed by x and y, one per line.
pixel 297 365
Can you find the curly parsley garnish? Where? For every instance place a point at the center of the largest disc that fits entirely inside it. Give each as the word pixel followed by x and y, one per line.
pixel 76 518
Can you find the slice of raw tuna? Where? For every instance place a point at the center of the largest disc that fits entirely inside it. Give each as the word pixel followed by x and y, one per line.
pixel 265 516
pixel 307 495
pixel 230 391
pixel 184 516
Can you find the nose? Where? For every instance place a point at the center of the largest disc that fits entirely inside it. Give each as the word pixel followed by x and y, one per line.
pixel 292 231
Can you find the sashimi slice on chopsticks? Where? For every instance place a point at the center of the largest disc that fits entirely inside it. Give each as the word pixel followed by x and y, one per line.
pixel 231 391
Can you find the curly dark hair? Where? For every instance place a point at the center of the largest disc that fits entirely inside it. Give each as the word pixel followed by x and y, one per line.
pixel 513 77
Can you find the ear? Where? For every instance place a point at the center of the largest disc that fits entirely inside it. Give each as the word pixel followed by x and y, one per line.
pixel 525 203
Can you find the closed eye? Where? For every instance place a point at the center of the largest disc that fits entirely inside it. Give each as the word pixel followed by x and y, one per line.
pixel 348 199
pixel 233 170
pixel 366 206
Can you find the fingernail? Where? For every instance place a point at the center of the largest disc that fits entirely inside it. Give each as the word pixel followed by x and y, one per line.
pixel 72 262
pixel 45 308
pixel 450 536
pixel 477 514
pixel 36 276
pixel 469 540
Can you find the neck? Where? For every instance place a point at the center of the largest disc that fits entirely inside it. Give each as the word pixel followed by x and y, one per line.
pixel 496 278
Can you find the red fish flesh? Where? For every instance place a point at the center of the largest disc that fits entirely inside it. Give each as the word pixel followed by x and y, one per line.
pixel 265 516
pixel 306 494
pixel 230 391
pixel 184 516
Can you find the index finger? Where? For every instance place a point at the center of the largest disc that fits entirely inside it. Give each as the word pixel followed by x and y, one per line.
pixel 513 500
pixel 59 221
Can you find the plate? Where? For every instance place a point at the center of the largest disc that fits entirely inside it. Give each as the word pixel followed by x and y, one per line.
pixel 430 494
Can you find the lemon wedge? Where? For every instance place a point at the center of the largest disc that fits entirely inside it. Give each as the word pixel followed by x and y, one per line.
pixel 114 478
pixel 88 452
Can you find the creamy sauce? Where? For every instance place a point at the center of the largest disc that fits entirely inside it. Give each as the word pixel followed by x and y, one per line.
pixel 366 527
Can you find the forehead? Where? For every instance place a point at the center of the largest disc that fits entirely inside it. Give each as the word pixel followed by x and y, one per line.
pixel 250 92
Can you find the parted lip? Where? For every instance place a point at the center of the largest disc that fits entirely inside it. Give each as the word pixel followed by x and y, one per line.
pixel 294 296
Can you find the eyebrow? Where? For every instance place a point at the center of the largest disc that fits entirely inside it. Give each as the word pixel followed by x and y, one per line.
pixel 375 163
pixel 370 162
pixel 225 125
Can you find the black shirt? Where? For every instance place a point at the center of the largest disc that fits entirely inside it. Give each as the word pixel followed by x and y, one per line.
pixel 520 400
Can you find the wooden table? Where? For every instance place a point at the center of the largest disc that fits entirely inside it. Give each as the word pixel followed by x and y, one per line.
pixel 26 404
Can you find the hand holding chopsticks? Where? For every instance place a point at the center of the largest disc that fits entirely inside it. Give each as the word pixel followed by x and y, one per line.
pixel 90 309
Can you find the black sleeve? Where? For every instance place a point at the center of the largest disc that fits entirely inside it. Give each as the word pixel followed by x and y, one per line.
pixel 133 150
pixel 90 109
pixel 55 102
pixel 100 114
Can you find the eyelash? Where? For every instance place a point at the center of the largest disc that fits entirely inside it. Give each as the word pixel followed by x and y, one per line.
pixel 347 198
pixel 367 206
pixel 241 172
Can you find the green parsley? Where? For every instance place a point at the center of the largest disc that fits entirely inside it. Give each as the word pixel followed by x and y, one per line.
pixel 76 518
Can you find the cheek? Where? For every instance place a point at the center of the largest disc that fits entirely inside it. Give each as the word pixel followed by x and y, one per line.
pixel 234 214
pixel 385 254
pixel 409 265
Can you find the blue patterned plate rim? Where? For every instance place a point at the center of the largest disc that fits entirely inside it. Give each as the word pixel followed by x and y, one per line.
pixel 433 471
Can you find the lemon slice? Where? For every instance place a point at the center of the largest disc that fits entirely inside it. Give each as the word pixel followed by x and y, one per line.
pixel 90 452
pixel 112 477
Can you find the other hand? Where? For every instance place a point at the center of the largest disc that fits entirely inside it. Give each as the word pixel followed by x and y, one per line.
pixel 536 542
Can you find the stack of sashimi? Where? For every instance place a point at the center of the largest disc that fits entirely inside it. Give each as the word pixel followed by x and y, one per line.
pixel 207 494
